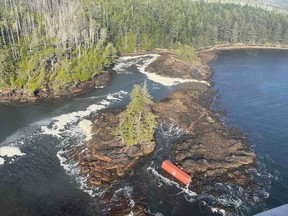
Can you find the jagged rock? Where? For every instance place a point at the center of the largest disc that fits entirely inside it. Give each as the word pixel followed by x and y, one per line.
pixel 97 156
pixel 123 202
pixel 95 181
pixel 147 148
pixel 106 158
pixel 85 170
pixel 208 149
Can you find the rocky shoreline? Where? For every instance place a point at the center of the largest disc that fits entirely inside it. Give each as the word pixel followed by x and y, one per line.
pixel 18 95
pixel 167 65
pixel 104 159
pixel 208 150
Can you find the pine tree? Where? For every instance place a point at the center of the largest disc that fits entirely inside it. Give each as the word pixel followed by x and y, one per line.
pixel 137 122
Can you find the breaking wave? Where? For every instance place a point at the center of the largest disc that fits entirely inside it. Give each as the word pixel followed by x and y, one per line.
pixel 69 130
pixel 141 62
pixel 73 129
pixel 185 190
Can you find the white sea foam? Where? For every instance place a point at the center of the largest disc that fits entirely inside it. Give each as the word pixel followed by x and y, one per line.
pixel 128 193
pixel 9 151
pixel 86 126
pixel 167 181
pixel 17 138
pixel 74 127
pixel 219 211
pixel 123 63
pixel 215 210
pixel 137 56
pixel 1 161
pixel 61 122
pixel 167 81
pixel 63 161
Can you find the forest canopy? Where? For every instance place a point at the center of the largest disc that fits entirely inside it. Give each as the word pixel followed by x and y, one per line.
pixel 137 122
pixel 53 44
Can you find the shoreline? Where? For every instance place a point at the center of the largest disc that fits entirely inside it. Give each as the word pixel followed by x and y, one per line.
pixel 208 150
pixel 241 46
pixel 17 95
pixel 188 107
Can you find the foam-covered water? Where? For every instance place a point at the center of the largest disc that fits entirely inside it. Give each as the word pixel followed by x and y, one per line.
pixel 9 151
pixel 171 182
pixel 129 61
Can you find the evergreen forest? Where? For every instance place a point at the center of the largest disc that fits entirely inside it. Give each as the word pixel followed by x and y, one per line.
pixel 137 122
pixel 55 44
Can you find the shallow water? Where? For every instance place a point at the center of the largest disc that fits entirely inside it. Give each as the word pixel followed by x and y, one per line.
pixel 252 88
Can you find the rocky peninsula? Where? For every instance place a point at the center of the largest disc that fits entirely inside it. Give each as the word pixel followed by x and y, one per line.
pixel 208 150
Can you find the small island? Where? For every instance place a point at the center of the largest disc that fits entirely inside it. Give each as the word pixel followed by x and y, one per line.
pixel 120 139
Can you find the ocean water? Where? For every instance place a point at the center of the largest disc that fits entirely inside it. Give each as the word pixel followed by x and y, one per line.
pixel 252 90
pixel 39 177
pixel 36 175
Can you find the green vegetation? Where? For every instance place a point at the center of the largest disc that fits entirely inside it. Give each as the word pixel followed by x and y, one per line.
pixel 186 53
pixel 55 44
pixel 141 25
pixel 51 44
pixel 137 122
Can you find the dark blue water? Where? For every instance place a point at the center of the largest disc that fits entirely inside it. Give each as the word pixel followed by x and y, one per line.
pixel 252 88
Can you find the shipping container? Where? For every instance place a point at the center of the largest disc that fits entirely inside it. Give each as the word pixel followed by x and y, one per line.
pixel 176 172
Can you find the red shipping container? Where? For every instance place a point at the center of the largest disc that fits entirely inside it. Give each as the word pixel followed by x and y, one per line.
pixel 176 172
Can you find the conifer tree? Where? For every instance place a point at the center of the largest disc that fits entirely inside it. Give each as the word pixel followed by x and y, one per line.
pixel 137 122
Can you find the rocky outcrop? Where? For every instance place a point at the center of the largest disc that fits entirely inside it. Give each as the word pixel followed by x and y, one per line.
pixel 124 202
pixel 104 158
pixel 208 150
pixel 168 65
